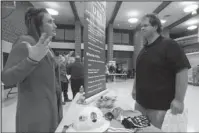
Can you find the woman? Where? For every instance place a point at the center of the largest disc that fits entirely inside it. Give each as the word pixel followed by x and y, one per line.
pixel 64 79
pixel 32 67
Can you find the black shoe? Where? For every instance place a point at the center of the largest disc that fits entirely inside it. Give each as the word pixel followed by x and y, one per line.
pixel 63 103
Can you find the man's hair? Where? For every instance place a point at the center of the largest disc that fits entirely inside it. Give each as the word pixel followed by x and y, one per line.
pixel 154 21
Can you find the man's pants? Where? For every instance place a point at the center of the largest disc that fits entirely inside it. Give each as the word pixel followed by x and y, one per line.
pixel 155 116
pixel 75 85
pixel 64 86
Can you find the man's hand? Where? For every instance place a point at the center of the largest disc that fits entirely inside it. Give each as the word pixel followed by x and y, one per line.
pixel 177 107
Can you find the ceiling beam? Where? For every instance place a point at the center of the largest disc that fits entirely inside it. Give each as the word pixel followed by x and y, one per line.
pixel 115 11
pixel 161 7
pixel 183 19
pixel 74 9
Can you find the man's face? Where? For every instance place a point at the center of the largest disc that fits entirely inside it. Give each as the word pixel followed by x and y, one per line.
pixel 147 30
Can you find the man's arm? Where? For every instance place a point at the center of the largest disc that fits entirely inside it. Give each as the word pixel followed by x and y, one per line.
pixel 181 84
pixel 178 61
pixel 177 105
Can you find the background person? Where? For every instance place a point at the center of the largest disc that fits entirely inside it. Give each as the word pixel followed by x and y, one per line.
pixel 76 70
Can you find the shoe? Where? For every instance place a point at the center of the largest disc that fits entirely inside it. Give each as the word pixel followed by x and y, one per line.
pixel 63 103
pixel 67 100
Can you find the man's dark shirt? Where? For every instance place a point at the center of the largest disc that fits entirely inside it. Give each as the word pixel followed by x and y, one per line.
pixel 156 68
pixel 76 70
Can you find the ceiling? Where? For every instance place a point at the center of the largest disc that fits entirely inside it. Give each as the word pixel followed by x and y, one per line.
pixel 172 12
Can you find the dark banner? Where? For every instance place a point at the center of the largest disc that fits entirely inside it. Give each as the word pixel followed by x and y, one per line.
pixel 94 47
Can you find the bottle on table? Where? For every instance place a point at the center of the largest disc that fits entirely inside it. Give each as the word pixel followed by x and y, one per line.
pixel 81 97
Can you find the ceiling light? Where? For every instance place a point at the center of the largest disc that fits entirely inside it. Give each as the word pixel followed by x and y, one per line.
pixel 191 22
pixel 193 27
pixel 52 11
pixel 132 13
pixel 53 4
pixel 194 12
pixel 191 8
pixel 132 20
pixel 163 21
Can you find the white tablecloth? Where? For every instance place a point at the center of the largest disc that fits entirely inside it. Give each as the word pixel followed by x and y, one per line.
pixel 69 111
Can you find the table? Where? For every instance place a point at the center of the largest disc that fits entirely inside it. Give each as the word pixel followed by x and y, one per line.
pixel 118 74
pixel 74 109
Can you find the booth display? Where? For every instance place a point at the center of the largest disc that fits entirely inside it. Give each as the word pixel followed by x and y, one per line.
pixel 94 110
pixel 94 47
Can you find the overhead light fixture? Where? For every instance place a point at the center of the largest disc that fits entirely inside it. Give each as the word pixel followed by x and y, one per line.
pixel 52 4
pixel 194 12
pixel 132 13
pixel 163 21
pixel 191 22
pixel 52 11
pixel 193 27
pixel 191 8
pixel 132 20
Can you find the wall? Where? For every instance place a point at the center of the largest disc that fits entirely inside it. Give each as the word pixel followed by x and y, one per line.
pixel 193 58
pixel 123 37
pixel 183 34
pixel 13 25
pixel 191 48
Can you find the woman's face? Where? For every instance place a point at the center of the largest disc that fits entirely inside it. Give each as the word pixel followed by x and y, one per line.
pixel 48 25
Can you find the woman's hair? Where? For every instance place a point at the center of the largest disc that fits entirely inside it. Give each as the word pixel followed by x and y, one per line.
pixel 33 21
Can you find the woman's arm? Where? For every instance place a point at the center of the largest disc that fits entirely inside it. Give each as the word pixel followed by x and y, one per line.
pixel 18 65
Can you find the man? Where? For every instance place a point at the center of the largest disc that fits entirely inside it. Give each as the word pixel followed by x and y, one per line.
pixel 195 73
pixel 64 80
pixel 76 70
pixel 112 71
pixel 161 74
pixel 106 72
